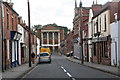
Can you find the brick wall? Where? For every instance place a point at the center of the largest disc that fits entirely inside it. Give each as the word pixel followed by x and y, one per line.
pixel 61 34
pixel 12 26
pixel 69 42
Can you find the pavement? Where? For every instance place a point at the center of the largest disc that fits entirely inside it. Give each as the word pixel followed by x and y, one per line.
pixel 19 71
pixel 109 69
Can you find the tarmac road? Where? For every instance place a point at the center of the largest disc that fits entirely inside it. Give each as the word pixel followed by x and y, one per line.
pixel 61 68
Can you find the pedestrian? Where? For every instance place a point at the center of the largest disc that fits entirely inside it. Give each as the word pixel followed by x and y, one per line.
pixel 33 57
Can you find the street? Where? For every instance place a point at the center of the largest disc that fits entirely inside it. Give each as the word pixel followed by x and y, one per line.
pixel 62 68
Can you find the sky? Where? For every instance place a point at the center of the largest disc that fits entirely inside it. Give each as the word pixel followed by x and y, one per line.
pixel 45 12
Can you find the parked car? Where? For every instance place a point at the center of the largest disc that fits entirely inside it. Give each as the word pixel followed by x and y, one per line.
pixel 69 54
pixel 44 57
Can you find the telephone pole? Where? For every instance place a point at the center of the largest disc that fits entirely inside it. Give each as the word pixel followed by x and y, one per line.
pixel 29 34
pixel 81 32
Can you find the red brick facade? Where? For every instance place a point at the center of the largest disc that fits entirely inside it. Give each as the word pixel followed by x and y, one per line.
pixel 80 22
pixel 69 42
pixel 10 24
pixel 103 48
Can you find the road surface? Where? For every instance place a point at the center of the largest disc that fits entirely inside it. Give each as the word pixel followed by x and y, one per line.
pixel 61 68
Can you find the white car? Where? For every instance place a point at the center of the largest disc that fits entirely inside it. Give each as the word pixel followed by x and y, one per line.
pixel 44 57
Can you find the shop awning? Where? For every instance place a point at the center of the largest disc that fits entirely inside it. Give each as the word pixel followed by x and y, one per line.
pixel 14 35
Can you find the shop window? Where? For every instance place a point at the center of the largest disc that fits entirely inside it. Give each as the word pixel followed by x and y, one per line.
pixel 102 49
pixel 94 49
pixel 105 50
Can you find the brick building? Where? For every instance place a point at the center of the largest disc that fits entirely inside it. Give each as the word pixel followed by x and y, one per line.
pixel 11 36
pixel 69 42
pixel 0 40
pixel 23 43
pixel 80 27
pixel 115 33
pixel 51 36
pixel 92 12
pixel 101 34
pixel 33 43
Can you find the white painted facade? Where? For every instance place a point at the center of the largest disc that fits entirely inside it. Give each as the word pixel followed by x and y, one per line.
pixel 102 28
pixel 115 44
pixel 90 34
pixel 38 46
pixel 53 45
pixel 20 30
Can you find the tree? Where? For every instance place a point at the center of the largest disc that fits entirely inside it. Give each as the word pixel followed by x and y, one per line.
pixel 36 27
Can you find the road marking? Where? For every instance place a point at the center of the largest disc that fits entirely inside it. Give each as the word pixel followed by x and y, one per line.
pixel 67 73
pixel 73 79
pixel 62 67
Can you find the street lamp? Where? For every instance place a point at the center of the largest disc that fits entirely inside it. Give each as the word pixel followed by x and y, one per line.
pixel 29 34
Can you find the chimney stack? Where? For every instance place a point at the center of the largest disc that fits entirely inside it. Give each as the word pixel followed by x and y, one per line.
pixel 11 4
pixel 93 2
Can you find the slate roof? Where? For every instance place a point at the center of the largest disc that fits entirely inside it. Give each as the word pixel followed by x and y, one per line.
pixel 7 5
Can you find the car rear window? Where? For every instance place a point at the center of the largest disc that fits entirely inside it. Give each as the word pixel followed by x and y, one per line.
pixel 44 54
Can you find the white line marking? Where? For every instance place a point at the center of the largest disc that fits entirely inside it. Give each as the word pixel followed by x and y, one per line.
pixel 69 74
pixel 62 67
pixel 73 79
pixel 64 70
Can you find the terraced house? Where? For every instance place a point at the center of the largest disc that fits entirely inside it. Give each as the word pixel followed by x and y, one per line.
pixel 103 35
pixel 11 36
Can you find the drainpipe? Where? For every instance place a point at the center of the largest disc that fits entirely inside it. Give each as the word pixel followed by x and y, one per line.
pixel 2 30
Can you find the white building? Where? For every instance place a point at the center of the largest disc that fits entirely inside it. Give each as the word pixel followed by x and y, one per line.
pixel 22 52
pixel 21 42
pixel 38 46
pixel 51 37
pixel 90 34
pixel 115 44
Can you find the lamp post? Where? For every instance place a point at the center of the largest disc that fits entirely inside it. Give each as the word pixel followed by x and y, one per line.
pixel 29 34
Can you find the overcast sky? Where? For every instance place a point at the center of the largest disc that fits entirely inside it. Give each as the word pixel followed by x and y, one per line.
pixel 44 12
